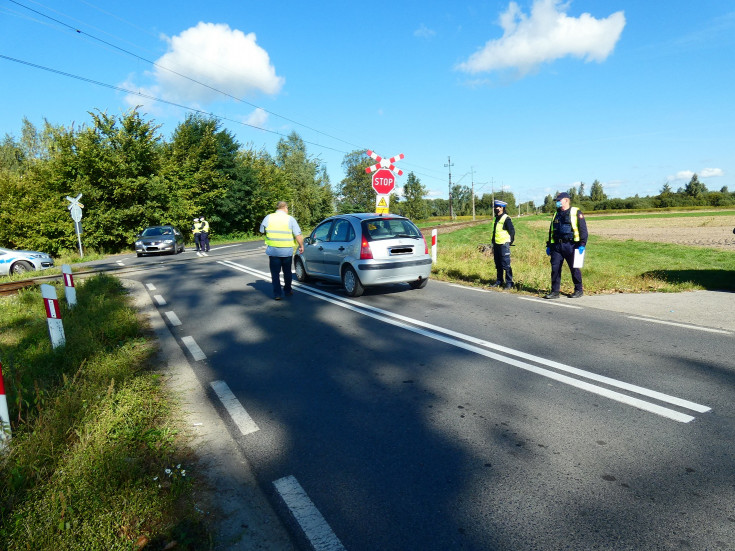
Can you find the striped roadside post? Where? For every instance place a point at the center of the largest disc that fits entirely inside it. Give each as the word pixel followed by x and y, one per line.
pixel 70 292
pixel 4 415
pixel 53 315
pixel 433 246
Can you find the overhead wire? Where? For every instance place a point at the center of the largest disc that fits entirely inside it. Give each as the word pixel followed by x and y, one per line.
pixel 161 100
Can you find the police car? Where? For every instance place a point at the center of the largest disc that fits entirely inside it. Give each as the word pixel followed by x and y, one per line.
pixel 18 262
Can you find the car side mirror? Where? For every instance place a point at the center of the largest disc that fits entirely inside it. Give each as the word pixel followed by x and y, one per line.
pixel 137 236
pixel 307 241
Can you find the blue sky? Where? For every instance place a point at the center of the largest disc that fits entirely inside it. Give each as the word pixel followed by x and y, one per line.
pixel 530 96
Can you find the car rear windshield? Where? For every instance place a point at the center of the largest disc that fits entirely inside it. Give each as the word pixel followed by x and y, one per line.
pixel 389 228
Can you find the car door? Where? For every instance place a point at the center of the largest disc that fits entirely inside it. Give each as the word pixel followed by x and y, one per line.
pixel 314 249
pixel 340 236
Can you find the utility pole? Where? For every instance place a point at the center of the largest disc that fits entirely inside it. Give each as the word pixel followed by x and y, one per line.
pixel 450 165
pixel 492 186
pixel 472 170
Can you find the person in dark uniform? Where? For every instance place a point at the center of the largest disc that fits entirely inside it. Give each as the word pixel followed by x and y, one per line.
pixel 567 233
pixel 196 229
pixel 503 236
pixel 204 236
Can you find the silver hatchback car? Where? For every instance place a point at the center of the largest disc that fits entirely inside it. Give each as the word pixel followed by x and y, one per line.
pixel 363 250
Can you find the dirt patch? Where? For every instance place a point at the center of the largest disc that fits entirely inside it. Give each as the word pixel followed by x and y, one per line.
pixel 699 231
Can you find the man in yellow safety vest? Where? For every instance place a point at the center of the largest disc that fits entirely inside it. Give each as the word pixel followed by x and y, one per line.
pixel 567 234
pixel 503 236
pixel 280 230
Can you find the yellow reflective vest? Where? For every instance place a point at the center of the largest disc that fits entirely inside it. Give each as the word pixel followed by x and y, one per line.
pixel 197 227
pixel 501 235
pixel 575 224
pixel 277 232
pixel 205 226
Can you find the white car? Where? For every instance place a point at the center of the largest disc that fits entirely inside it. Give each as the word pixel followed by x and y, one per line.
pixel 18 262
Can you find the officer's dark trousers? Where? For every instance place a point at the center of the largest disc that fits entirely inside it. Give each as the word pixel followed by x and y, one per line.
pixel 197 241
pixel 561 252
pixel 204 240
pixel 278 264
pixel 501 255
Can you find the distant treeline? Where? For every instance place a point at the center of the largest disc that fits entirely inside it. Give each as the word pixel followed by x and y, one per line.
pixel 131 177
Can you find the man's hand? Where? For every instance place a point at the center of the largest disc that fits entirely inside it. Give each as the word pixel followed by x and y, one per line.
pixel 548 251
pixel 581 249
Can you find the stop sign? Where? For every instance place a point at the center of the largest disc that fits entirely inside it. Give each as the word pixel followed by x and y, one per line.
pixel 383 181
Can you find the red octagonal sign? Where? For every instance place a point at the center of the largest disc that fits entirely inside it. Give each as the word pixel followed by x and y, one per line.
pixel 383 181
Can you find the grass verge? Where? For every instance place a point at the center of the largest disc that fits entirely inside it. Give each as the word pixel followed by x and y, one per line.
pixel 611 266
pixel 95 461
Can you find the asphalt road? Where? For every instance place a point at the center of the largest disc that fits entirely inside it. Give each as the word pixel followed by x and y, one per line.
pixel 454 418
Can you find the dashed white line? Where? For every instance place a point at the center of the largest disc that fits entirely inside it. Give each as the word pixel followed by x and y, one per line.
pixel 687 326
pixel 239 416
pixel 150 286
pixel 551 302
pixel 173 318
pixel 310 520
pixel 193 347
pixel 160 300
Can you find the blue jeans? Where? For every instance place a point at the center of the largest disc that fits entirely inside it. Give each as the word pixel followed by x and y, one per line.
pixel 278 264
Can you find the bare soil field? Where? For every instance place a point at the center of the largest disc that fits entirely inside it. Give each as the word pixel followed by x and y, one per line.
pixel 699 231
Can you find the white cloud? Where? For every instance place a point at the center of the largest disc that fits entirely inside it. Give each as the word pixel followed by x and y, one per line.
pixel 686 175
pixel 257 118
pixel 424 32
pixel 222 58
pixel 711 172
pixel 546 35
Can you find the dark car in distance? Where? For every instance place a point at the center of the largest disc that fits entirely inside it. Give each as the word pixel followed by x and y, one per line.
pixel 159 239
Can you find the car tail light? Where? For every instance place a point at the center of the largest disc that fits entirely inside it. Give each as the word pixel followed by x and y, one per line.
pixel 365 252
pixel 426 247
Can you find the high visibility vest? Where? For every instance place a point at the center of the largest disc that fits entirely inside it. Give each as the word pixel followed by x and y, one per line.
pixel 277 232
pixel 197 227
pixel 501 236
pixel 575 224
pixel 205 227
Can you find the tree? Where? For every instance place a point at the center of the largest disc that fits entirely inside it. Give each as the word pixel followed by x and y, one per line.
pixel 596 191
pixel 695 188
pixel 581 192
pixel 355 192
pixel 572 194
pixel 414 205
pixel 666 190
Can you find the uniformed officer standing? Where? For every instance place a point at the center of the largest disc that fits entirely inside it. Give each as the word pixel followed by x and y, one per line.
pixel 205 234
pixel 567 233
pixel 503 236
pixel 197 231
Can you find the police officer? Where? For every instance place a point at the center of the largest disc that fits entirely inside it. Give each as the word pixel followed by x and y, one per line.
pixel 197 231
pixel 567 233
pixel 204 234
pixel 503 236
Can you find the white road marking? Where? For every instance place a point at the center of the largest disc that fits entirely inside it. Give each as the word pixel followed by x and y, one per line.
pixel 685 325
pixel 469 288
pixel 454 338
pixel 239 416
pixel 150 286
pixel 173 318
pixel 193 347
pixel 119 263
pixel 310 520
pixel 160 300
pixel 551 302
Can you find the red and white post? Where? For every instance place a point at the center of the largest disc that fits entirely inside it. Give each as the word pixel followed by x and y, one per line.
pixel 53 315
pixel 433 246
pixel 4 415
pixel 70 292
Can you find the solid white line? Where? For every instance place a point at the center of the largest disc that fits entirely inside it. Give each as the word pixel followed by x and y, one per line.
pixel 384 315
pixel 120 263
pixel 308 517
pixel 239 416
pixel 550 302
pixel 173 318
pixel 160 300
pixel 466 288
pixel 686 326
pixel 193 347
pixel 150 286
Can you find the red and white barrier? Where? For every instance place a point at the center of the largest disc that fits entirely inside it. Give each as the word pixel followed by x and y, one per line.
pixel 53 315
pixel 4 415
pixel 384 163
pixel 70 292
pixel 433 246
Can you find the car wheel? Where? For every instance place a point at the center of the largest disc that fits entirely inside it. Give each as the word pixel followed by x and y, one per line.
pixel 21 267
pixel 301 274
pixel 139 254
pixel 419 283
pixel 351 282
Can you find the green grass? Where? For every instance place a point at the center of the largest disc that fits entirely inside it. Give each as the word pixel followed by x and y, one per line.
pixel 93 432
pixel 610 266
